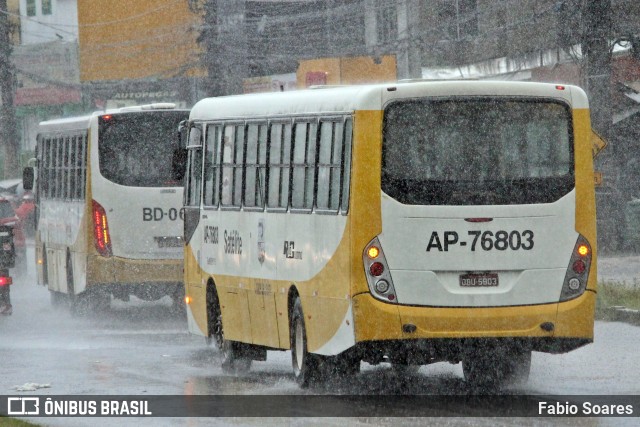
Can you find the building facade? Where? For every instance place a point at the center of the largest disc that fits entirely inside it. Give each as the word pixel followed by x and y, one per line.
pixel 138 52
pixel 46 64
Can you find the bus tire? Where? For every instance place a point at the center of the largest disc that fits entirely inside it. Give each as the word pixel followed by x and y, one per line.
pixel 403 368
pixel 45 272
pixel 76 305
pixel 306 366
pixel 58 299
pixel 517 367
pixel 345 366
pixel 232 360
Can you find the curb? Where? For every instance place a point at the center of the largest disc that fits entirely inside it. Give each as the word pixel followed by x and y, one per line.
pixel 619 313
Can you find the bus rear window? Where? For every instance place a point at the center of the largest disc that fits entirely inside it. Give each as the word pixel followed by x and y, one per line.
pixel 136 149
pixel 477 151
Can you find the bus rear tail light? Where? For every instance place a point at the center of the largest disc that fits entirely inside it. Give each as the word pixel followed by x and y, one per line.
pixel 101 236
pixel 377 272
pixel 376 269
pixel 575 280
pixel 579 267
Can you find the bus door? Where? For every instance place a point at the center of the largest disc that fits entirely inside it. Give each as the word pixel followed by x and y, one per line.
pixel 223 241
pixel 191 205
pixel 261 290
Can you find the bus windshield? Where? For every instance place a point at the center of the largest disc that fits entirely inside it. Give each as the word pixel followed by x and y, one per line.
pixel 136 149
pixel 473 151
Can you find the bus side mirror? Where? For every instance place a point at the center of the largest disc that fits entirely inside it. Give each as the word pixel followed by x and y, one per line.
pixel 27 178
pixel 179 164
pixel 183 129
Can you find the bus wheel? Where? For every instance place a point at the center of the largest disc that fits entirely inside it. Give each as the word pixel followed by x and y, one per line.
pixel 403 368
pixel 517 367
pixel 342 366
pixel 232 360
pixel 306 366
pixel 71 295
pixel 45 273
pixel 58 299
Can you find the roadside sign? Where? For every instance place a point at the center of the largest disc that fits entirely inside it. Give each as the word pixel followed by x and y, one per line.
pixel 597 143
pixel 597 178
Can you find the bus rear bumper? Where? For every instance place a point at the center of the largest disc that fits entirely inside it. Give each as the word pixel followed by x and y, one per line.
pixel 147 279
pixel 552 328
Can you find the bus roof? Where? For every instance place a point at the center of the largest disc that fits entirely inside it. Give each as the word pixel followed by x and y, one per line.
pixel 369 97
pixel 82 122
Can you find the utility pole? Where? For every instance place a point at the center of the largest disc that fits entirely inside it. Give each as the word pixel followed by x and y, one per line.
pixel 208 40
pixel 8 126
pixel 598 64
pixel 409 57
pixel 610 198
pixel 224 40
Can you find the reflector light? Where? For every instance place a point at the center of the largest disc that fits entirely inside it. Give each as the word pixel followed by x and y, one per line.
pixel 5 281
pixel 107 117
pixel 376 269
pixel 391 297
pixel 478 219
pixel 583 250
pixel 574 284
pixel 382 286
pixel 579 267
pixel 373 252
pixel 101 235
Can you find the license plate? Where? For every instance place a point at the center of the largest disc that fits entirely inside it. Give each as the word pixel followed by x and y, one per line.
pixel 479 280
pixel 168 241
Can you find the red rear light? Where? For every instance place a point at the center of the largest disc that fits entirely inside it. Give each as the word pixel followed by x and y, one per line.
pixel 559 87
pixel 5 281
pixel 101 236
pixel 579 266
pixel 478 219
pixel 376 269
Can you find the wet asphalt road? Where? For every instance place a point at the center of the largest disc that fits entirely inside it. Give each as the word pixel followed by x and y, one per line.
pixel 143 348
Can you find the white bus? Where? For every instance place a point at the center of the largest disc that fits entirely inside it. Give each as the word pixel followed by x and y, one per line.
pixel 408 223
pixel 108 216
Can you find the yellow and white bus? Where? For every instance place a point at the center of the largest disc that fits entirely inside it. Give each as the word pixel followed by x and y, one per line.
pixel 408 223
pixel 108 216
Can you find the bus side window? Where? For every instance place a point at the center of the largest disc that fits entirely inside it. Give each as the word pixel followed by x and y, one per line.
pixel 72 168
pixel 51 171
pixel 66 169
pixel 238 165
pixel 82 165
pixel 304 163
pixel 346 166
pixel 279 165
pixel 43 167
pixel 57 179
pixel 212 166
pixel 330 164
pixel 255 165
pixel 227 156
pixel 194 168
